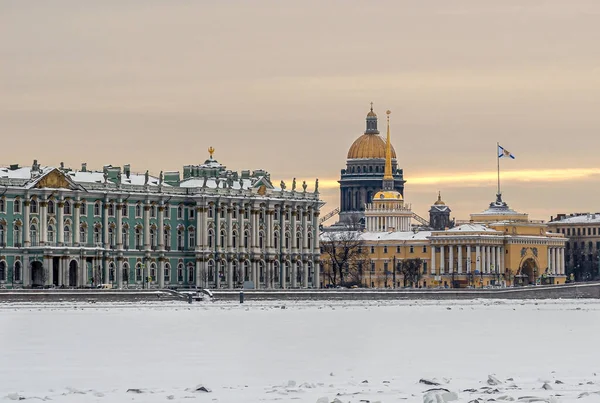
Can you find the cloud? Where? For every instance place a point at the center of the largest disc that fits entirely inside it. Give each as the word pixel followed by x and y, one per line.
pixel 477 178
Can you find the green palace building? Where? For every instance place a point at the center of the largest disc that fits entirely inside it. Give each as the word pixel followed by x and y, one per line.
pixel 209 227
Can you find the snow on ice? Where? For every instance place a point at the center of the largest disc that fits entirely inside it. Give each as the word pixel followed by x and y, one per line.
pixel 411 351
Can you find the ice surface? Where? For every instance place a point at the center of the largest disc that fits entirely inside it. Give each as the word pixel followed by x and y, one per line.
pixel 309 352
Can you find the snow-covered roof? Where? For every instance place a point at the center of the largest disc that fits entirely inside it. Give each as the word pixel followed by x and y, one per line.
pixel 21 173
pixel 212 183
pixel 592 218
pixel 382 236
pixel 471 228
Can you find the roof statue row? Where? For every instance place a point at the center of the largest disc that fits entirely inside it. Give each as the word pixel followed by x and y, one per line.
pixel 209 176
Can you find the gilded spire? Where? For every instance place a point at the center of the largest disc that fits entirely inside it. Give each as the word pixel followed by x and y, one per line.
pixel 387 175
pixel 211 151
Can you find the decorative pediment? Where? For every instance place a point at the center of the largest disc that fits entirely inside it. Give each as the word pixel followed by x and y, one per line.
pixel 55 180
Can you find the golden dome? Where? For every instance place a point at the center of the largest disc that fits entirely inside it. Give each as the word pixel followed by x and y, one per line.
pixel 371 114
pixel 387 195
pixel 369 146
pixel 439 201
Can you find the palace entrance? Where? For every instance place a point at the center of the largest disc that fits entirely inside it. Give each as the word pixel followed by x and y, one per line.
pixel 37 274
pixel 73 273
pixel 529 270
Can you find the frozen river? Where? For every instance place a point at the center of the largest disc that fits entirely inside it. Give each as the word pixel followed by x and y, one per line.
pixel 351 351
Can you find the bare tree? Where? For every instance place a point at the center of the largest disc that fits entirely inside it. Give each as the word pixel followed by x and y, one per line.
pixel 345 254
pixel 411 270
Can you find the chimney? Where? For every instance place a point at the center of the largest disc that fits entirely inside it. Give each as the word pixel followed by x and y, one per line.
pixel 127 170
pixel 84 167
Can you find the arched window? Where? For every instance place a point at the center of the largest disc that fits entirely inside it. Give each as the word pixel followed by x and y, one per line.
pixel 17 271
pixel 180 211
pixel 50 207
pixel 138 238
pixel 261 237
pixel 261 271
pixel 298 240
pixel 111 210
pixel 299 272
pixel 153 272
pixel 2 235
pixel 67 207
pixel 83 208
pixel 246 239
pixel 125 272
pixel 276 240
pixel 179 239
pixel 16 235
pixel 67 234
pixel 276 214
pixel 2 270
pixel 246 270
pixel 138 272
pixel 191 278
pixel 124 209
pixel 223 239
pixel 310 241
pixel 222 211
pixel 2 205
pixel 82 234
pixel 51 233
pixel 125 237
pixel 167 273
pixel 180 272
pixel 211 270
pixel 191 237
pixel 153 238
pixel 167 235
pixel 211 236
pixel 33 234
pixel 111 236
pixel 153 211
pixel 234 236
pixel 287 240
pixel 97 236
pixel 276 272
pixel 97 208
pixel 138 210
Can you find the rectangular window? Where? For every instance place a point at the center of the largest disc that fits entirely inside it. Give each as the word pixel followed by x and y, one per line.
pixel 167 211
pixel 424 267
pixel 385 267
pixel 372 249
pixel 594 231
pixel 424 248
pixel 412 249
pixel 192 212
pixel 2 205
pixel 385 249
pixel 589 231
pixel 17 206
pixel 569 231
pixel 397 249
pixel 153 211
pixel 372 267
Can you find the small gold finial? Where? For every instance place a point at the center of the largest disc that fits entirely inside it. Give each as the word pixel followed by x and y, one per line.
pixel 211 151
pixel 388 112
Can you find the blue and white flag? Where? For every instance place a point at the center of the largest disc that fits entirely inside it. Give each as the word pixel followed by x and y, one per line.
pixel 502 152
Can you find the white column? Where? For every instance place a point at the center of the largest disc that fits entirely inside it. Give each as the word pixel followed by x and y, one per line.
pixel 43 206
pixel 147 226
pixel 551 269
pixel 451 258
pixel 305 214
pixel 202 224
pixel 293 274
pixel 25 228
pixel 119 272
pixel 317 275
pixel 459 268
pixel 293 236
pixel 493 265
pixel 200 275
pixel 60 233
pixel 48 270
pixel 442 259
pixel 468 263
pixel 556 259
pixel 432 260
pixel 160 233
pixel 229 231
pixel 498 260
pixel 25 271
pixel 119 238
pixel 562 261
pixel 478 258
pixel 230 274
pixel 105 229
pixel 255 275
pixel 483 258
pixel 76 223
pixel 305 277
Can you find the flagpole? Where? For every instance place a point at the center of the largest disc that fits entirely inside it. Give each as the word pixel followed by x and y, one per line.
pixel 498 158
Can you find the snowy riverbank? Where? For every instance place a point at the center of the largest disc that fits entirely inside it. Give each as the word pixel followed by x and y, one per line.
pixel 350 351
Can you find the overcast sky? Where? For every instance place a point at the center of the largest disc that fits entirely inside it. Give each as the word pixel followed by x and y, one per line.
pixel 285 86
